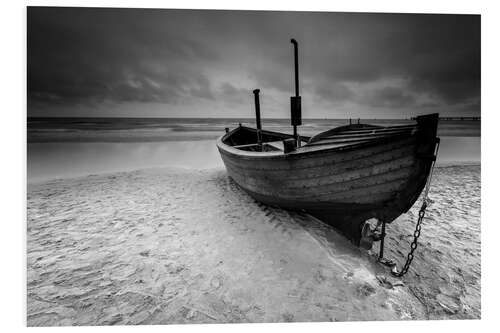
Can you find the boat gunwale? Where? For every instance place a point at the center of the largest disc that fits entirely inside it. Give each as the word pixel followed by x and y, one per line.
pixel 401 146
pixel 297 154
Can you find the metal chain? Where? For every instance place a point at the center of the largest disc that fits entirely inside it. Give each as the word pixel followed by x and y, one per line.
pixel 414 244
pixel 421 215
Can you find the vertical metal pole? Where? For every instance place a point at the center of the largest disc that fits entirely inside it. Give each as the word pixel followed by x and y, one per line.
pixel 296 61
pixel 381 252
pixel 257 115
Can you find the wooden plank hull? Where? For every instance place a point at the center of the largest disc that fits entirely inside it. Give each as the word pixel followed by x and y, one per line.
pixel 343 186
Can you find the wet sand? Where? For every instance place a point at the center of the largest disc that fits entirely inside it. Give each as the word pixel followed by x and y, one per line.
pixel 165 246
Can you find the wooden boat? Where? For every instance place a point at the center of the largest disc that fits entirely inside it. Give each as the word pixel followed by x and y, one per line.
pixel 344 176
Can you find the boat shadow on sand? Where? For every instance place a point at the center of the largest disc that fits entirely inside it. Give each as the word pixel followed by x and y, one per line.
pixel 444 289
pixel 340 250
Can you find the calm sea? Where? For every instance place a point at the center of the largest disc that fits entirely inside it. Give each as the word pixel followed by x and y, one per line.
pixel 67 147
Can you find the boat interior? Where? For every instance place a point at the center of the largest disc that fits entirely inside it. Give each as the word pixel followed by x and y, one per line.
pixel 246 138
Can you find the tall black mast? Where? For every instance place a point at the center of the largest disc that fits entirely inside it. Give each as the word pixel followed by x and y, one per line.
pixel 295 100
pixel 296 62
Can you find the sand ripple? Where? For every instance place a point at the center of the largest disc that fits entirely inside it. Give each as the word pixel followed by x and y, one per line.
pixel 166 246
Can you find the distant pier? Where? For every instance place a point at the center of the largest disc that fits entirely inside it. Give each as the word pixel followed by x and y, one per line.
pixel 456 118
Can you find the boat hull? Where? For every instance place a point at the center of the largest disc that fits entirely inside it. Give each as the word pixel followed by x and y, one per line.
pixel 342 186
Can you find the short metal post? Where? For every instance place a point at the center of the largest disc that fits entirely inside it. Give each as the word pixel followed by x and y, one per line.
pixel 381 251
pixel 257 116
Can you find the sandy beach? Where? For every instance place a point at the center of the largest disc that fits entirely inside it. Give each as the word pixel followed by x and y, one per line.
pixel 171 245
pixel 139 119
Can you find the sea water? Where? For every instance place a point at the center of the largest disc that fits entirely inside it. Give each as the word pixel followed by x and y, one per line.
pixel 68 147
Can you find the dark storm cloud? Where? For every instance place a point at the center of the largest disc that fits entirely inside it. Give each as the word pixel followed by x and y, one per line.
pixel 437 54
pixel 232 95
pixel 389 97
pixel 334 92
pixel 92 56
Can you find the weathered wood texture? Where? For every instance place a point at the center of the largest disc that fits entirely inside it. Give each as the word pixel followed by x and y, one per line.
pixel 371 175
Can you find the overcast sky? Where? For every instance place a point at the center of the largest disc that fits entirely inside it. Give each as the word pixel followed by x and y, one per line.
pixel 189 63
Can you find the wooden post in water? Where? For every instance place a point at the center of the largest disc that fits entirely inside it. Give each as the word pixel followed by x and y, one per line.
pixel 257 115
